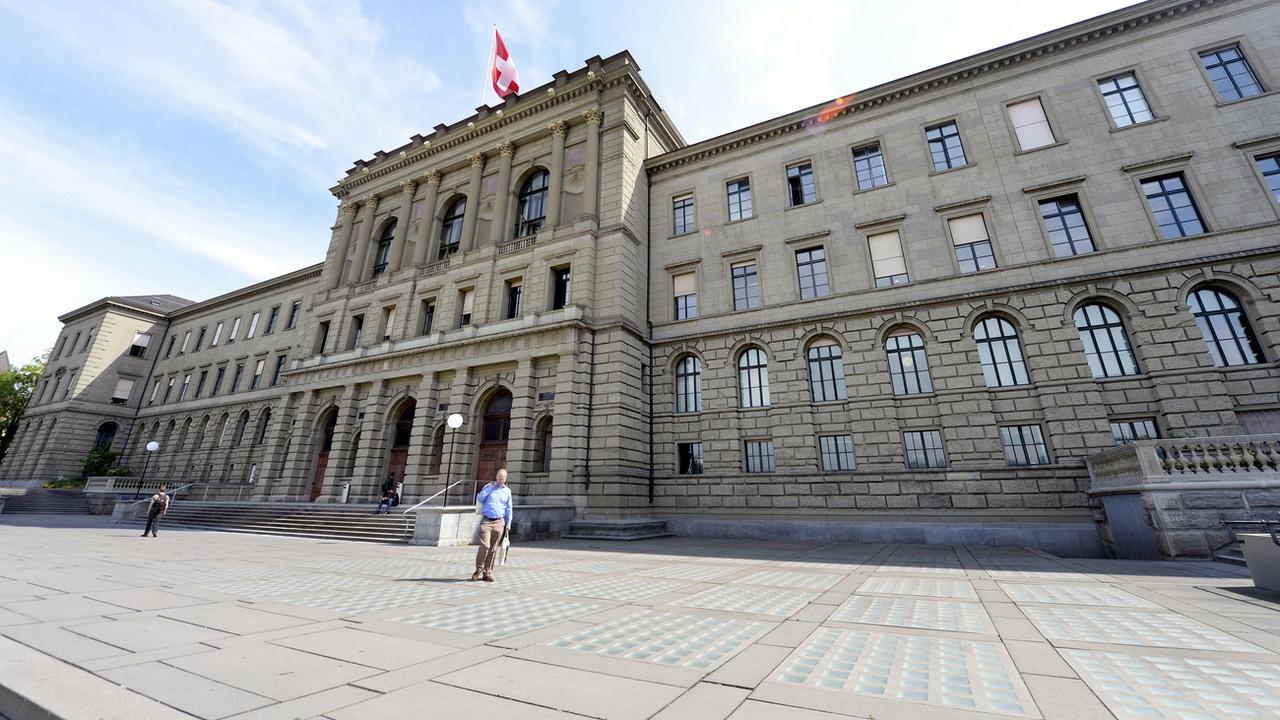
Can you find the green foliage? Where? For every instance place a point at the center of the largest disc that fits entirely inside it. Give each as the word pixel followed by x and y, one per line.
pixel 103 461
pixel 16 388
pixel 64 483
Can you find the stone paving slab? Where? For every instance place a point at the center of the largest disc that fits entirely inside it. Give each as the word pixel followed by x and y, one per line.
pixel 266 628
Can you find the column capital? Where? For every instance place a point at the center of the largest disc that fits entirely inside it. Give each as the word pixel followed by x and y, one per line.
pixel 593 115
pixel 507 149
pixel 349 208
pixel 432 177
pixel 369 201
pixel 559 128
pixel 477 159
pixel 408 186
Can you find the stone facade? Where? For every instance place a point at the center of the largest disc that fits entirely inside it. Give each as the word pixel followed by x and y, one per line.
pixel 590 359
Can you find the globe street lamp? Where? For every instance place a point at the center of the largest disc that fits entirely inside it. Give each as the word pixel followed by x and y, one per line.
pixel 454 422
pixel 151 448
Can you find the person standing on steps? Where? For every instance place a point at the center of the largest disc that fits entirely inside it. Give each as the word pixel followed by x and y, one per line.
pixel 495 504
pixel 157 507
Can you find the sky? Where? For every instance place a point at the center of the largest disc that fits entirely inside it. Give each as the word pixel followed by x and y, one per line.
pixel 187 146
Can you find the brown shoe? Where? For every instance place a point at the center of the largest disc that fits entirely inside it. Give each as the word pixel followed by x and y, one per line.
pixel 488 577
pixel 475 575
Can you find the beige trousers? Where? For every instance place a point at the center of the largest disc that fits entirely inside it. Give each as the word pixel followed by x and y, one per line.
pixel 490 541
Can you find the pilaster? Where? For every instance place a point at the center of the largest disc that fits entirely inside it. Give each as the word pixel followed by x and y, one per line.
pixel 459 445
pixel 498 228
pixel 424 422
pixel 559 129
pixel 302 450
pixel 471 214
pixel 403 215
pixel 338 246
pixel 344 436
pixel 521 444
pixel 591 179
pixel 426 230
pixel 367 476
pixel 360 259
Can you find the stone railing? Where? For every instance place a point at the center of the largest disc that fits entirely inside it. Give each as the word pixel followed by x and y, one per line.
pixel 517 245
pixel 434 268
pixel 363 287
pixel 1154 462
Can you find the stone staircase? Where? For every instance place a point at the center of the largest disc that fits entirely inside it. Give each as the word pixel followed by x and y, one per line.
pixel 323 521
pixel 622 529
pixel 36 500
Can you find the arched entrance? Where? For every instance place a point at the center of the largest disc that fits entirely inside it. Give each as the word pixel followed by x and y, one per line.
pixel 401 432
pixel 324 443
pixel 495 430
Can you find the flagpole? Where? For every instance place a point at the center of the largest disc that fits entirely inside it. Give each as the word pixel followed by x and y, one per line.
pixel 488 64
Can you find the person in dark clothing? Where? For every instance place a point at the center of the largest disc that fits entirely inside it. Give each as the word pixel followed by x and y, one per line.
pixel 156 508
pixel 388 494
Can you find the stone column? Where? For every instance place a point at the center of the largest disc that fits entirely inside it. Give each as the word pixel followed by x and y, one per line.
pixel 333 264
pixel 368 207
pixel 425 231
pixel 521 445
pixel 559 129
pixel 407 189
pixel 471 215
pixel 272 460
pixel 415 465
pixel 368 474
pixel 592 176
pixel 297 464
pixel 459 444
pixel 343 437
pixel 498 230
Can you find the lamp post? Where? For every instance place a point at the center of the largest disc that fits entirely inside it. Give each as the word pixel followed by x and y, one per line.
pixel 151 448
pixel 454 422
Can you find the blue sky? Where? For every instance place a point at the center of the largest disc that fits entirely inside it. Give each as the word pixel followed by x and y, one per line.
pixel 186 146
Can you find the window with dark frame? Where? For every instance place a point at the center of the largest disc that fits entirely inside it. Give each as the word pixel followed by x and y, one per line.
pixel 257 374
pixel 1030 124
pixel 1172 206
pixel 141 341
pixel 451 230
pixel 383 255
pixel 1125 100
pixel 888 263
pixel 1065 224
pixel 1106 346
pixel 531 211
pixel 357 330
pixel 169 350
pixel 560 279
pixel 428 314
pixel 294 310
pixel 204 375
pixel 800 186
pixel 1230 73
pixel 811 267
pixel 279 370
pixel 322 337
pixel 689 458
pixel 972 243
pixel 236 377
pixel 924 449
pixel 1000 352
pixel 739 192
pixel 868 165
pixel 515 291
pixel 200 339
pixel 1226 330
pixel 908 363
pixel 272 318
pixel 1127 431
pixel 688 385
pixel 758 455
pixel 682 214
pixel 945 147
pixel 836 453
pixel 186 385
pixel 685 288
pixel 467 304
pixel 1269 166
pixel 217 381
pixel 746 286
pixel 120 395
pixel 388 322
pixel 826 371
pixel 753 378
pixel 1024 445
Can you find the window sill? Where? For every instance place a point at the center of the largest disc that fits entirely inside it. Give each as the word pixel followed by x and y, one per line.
pixel 1050 146
pixel 686 233
pixel 957 168
pixel 741 220
pixel 1224 103
pixel 917 396
pixel 805 205
pixel 873 188
pixel 1153 121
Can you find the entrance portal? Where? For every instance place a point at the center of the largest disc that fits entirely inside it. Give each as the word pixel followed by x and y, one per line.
pixel 325 443
pixel 400 436
pixel 494 433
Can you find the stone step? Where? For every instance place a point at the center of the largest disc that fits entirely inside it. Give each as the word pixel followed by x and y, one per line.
pixel 620 530
pixel 34 501
pixel 328 522
pixel 1231 554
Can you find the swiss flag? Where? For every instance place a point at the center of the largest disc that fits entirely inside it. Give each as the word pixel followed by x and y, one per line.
pixel 505 79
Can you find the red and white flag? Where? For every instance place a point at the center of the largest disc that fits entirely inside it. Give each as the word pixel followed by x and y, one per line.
pixel 505 79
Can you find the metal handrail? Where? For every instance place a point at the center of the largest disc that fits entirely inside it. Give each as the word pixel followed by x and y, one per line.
pixel 133 511
pixel 405 513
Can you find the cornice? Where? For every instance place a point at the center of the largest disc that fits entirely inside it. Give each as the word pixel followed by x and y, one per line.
pixel 966 69
pixel 311 272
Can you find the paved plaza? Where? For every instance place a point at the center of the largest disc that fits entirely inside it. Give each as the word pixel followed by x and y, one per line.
pixel 96 622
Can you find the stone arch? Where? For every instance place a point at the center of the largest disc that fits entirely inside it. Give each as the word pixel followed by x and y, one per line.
pixel 106 435
pixel 261 427
pixel 1117 301
pixel 322 444
pixel 815 333
pixel 398 430
pixel 1243 288
pixel 897 322
pixel 242 425
pixel 742 345
pixel 492 418
pixel 543 435
pixel 1013 315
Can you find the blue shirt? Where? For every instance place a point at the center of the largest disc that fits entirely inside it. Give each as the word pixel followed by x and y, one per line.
pixel 495 502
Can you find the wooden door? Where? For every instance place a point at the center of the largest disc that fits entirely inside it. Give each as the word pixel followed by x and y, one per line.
pixel 396 464
pixel 492 458
pixel 317 482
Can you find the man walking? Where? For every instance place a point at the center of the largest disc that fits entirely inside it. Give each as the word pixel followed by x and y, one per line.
pixel 495 504
pixel 158 506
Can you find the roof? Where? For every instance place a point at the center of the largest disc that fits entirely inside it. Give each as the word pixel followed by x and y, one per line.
pixel 158 303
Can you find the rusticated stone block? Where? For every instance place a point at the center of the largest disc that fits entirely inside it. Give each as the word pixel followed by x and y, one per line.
pixel 1213 500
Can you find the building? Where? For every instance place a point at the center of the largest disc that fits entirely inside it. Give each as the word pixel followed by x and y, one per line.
pixel 911 313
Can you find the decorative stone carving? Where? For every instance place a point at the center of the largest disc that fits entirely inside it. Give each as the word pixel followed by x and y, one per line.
pixel 349 208
pixel 507 149
pixel 593 115
pixel 432 176
pixel 408 186
pixel 559 128
pixel 477 159
pixel 370 201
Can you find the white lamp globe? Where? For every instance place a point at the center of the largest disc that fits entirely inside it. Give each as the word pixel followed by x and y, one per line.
pixel 455 421
pixel 153 446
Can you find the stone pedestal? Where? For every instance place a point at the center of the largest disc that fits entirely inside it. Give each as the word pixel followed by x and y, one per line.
pixel 460 524
pixel 1263 556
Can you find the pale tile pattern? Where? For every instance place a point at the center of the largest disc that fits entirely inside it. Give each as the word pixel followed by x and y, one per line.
pixel 668 638
pixel 926 613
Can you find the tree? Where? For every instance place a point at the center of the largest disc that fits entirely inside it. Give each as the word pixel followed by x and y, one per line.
pixel 17 386
pixel 101 461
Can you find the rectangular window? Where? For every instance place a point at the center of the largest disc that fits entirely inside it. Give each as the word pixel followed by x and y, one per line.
pixel 428 313
pixel 200 339
pixel 682 214
pixel 186 341
pixel 924 449
pixel 257 375
pixel 944 146
pixel 62 343
pixel 1126 431
pixel 89 340
pixel 217 381
pixel 217 335
pixel 124 388
pixel 235 330
pixel 800 187
pixel 759 456
pixel 1270 168
pixel 204 375
pixel 836 452
pixel 466 300
pixel 253 326
pixel 236 376
pixel 515 293
pixel 868 165
pixel 686 295
pixel 71 385
pixel 1125 101
pixel 1024 445
pixel 1030 124
pixel 43 386
pixel 746 286
pixel 155 389
pixel 57 383
pixel 1230 72
pixel 689 458
pixel 739 192
pixel 294 311
pixel 973 245
pixel 186 383
pixel 275 374
pixel 322 337
pixel 388 322
pixel 271 321
pixel 141 341
pixel 559 288
pixel 74 342
pixel 357 330
pixel 887 261
pixel 811 265
pixel 1064 222
pixel 1171 204
pixel 169 350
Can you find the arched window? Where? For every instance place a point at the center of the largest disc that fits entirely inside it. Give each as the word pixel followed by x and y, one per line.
pixel 908 364
pixel 542 446
pixel 826 371
pixel 264 422
pixel 753 378
pixel 1105 345
pixel 688 385
pixel 436 456
pixel 106 435
pixel 1225 328
pixel 183 434
pixel 1000 353
pixel 241 424
pixel 384 247
pixel 451 231
pixel 531 212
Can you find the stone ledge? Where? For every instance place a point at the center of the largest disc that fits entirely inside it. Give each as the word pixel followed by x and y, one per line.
pixel 619 530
